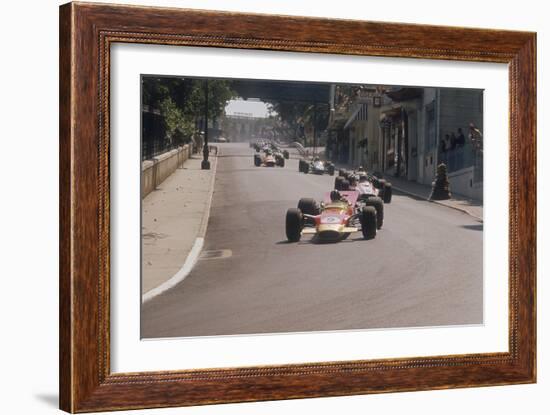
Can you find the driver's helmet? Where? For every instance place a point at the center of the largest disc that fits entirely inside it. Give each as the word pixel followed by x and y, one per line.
pixel 316 159
pixel 360 168
pixel 353 180
pixel 363 178
pixel 335 196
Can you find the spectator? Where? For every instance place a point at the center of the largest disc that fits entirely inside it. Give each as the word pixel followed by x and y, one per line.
pixel 442 146
pixel 461 140
pixel 453 141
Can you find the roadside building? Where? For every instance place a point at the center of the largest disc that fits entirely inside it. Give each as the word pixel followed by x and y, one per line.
pixel 458 108
pixel 406 132
pixel 407 142
pixel 423 127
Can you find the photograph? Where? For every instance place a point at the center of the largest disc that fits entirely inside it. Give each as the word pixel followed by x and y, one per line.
pixel 281 206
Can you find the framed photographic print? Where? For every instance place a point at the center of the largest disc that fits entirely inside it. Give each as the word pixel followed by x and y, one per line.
pixel 254 209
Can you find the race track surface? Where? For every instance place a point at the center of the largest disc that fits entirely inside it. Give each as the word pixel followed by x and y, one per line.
pixel 423 269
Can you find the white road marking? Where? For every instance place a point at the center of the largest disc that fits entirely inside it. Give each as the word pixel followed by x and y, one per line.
pixel 196 250
pixel 180 275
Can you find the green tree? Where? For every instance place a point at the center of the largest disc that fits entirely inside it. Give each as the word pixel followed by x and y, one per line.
pixel 300 115
pixel 181 102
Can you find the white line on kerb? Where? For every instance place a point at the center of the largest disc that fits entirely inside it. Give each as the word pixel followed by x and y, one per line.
pixel 180 275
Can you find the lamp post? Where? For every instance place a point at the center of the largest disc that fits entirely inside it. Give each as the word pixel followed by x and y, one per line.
pixel 314 128
pixel 205 164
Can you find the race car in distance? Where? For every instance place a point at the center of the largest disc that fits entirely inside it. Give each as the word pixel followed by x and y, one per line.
pixel 368 183
pixel 263 144
pixel 278 154
pixel 284 153
pixel 340 214
pixel 267 158
pixel 316 166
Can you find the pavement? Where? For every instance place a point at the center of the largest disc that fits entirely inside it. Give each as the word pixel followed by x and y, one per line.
pixel 174 219
pixel 461 203
pixel 420 191
pixel 424 268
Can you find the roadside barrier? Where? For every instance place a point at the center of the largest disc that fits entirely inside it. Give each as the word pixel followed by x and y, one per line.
pixel 156 170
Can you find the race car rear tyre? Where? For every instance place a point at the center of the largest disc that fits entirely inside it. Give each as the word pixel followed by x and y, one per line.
pixel 306 167
pixel 282 163
pixel 368 222
pixel 286 154
pixel 257 160
pixel 338 182
pixel 387 192
pixel 330 169
pixel 301 165
pixel 378 204
pixel 294 224
pixel 308 206
pixel 345 185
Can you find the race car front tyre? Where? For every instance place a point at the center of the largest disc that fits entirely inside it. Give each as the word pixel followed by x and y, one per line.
pixel 306 167
pixel 257 160
pixel 387 192
pixel 286 154
pixel 330 169
pixel 368 222
pixel 308 206
pixel 378 204
pixel 294 223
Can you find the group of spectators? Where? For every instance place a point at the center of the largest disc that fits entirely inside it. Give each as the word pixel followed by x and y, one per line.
pixel 453 141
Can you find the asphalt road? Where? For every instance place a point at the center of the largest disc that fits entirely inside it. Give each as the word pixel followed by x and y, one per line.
pixel 423 269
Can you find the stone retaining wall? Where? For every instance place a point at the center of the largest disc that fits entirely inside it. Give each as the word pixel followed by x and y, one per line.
pixel 155 171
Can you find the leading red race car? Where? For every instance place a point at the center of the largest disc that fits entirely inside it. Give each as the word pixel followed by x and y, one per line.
pixel 340 214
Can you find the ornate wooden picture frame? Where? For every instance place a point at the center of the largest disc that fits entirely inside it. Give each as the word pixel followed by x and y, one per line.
pixel 87 32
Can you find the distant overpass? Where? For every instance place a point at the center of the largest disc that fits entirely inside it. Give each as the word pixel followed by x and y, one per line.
pixel 282 90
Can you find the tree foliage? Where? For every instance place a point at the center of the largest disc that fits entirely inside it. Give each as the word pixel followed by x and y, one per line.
pixel 300 115
pixel 181 102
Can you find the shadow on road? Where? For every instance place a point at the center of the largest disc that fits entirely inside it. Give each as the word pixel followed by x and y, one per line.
pixel 316 241
pixel 410 195
pixel 473 227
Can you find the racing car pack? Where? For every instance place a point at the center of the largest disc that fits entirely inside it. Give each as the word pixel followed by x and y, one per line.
pixel 365 182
